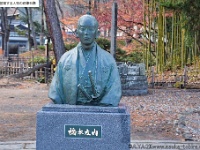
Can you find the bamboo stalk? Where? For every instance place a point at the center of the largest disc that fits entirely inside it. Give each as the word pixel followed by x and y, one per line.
pixel 160 39
pixel 182 47
pixel 144 20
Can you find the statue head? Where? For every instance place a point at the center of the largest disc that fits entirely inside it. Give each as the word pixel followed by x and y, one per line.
pixel 87 30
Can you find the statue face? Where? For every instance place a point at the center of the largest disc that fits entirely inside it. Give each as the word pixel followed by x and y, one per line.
pixel 87 30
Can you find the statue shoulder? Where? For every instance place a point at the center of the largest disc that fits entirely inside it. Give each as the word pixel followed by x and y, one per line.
pixel 67 55
pixel 67 59
pixel 106 56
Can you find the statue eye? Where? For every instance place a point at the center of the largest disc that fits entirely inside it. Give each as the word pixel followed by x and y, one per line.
pixel 82 28
pixel 91 28
pixel 87 28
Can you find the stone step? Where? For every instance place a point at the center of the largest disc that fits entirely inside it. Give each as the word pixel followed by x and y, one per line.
pixel 18 145
pixel 137 85
pixel 134 92
pixel 134 145
pixel 133 78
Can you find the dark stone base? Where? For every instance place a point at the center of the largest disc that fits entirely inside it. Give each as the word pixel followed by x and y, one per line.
pixel 114 122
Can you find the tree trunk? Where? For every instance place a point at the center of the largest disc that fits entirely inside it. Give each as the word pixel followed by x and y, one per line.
pixel 29 31
pixel 42 23
pixel 28 72
pixel 5 29
pixel 32 28
pixel 53 26
pixel 2 29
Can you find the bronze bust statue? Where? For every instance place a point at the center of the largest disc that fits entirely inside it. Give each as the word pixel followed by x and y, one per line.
pixel 87 74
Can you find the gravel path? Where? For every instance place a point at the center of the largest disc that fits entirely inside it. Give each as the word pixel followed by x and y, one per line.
pixel 153 116
pixel 19 103
pixel 156 115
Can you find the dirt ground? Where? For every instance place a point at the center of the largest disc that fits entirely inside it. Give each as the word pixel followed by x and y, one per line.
pixel 152 115
pixel 19 102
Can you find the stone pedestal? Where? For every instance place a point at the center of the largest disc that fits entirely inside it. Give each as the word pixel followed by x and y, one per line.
pixel 72 127
pixel 133 79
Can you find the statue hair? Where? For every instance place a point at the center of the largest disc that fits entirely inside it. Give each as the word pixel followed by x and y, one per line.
pixel 88 15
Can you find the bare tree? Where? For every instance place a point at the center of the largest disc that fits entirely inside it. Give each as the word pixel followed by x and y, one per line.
pixel 54 29
pixel 42 23
pixel 29 31
pixel 32 28
pixel 6 31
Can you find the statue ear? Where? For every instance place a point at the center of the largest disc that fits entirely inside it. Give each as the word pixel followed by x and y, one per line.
pixel 76 33
pixel 97 34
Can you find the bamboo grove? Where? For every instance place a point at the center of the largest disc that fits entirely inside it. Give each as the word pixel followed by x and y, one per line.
pixel 171 33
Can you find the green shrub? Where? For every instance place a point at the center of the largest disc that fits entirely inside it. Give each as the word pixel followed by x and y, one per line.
pixel 121 42
pixel 70 46
pixel 168 66
pixel 121 55
pixel 152 61
pixel 41 79
pixel 38 60
pixel 179 84
pixel 20 32
pixel 41 47
pixel 135 57
pixel 103 43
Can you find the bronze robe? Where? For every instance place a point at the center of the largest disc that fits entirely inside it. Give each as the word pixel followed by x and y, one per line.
pixel 63 89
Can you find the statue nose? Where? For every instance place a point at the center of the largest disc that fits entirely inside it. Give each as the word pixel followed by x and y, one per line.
pixel 86 31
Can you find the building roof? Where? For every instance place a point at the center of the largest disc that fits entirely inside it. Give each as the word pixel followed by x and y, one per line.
pixel 13 12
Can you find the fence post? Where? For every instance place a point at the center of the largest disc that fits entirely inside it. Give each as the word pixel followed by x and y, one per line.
pixel 7 68
pixel 4 67
pixel 31 68
pixel 46 75
pixel 52 67
pixel 15 66
pixel 40 72
pixel 175 75
pixel 21 68
pixel 36 74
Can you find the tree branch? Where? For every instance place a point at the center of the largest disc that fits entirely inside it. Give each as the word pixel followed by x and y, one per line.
pixel 29 71
pixel 130 36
